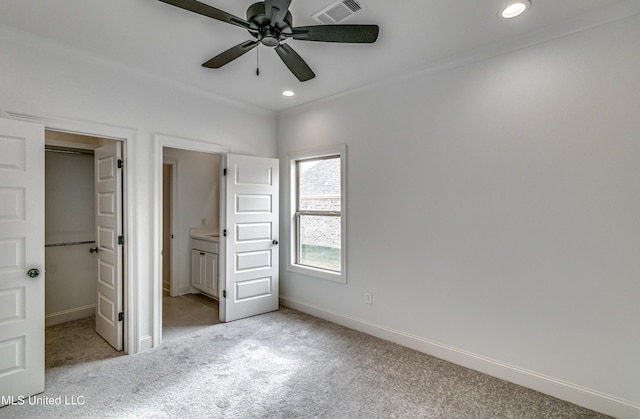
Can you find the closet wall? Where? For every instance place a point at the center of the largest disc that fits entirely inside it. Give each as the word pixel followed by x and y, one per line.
pixel 70 290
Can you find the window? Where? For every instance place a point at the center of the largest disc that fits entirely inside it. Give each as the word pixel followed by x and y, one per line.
pixel 318 216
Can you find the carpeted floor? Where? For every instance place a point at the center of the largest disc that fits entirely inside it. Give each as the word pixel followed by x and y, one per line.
pixel 75 342
pixel 281 365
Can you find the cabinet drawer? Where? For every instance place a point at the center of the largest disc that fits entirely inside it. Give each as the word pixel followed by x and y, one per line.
pixel 204 245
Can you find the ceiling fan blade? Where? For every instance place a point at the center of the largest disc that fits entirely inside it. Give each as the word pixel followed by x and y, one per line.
pixel 206 10
pixel 356 34
pixel 231 54
pixel 276 10
pixel 295 63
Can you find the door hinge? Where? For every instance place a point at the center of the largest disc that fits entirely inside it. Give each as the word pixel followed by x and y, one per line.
pixel 120 239
pixel 121 316
pixel 224 232
pixel 120 163
pixel 224 293
pixel 224 172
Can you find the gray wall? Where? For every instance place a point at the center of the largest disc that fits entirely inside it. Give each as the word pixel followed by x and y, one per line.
pixel 494 213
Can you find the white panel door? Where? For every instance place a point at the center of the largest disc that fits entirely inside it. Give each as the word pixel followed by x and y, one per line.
pixel 21 260
pixel 108 190
pixel 251 254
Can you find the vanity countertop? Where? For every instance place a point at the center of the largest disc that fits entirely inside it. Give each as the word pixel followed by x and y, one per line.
pixel 205 233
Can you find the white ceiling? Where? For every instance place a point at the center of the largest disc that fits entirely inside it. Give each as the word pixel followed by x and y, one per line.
pixel 415 35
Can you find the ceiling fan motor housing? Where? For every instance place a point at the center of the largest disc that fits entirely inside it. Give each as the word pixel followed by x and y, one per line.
pixel 261 27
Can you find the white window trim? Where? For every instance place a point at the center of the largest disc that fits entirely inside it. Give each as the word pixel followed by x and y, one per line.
pixel 336 150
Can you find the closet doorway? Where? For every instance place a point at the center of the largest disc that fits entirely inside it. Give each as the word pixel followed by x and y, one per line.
pixel 84 241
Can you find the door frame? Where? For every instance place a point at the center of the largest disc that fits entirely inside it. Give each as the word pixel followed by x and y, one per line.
pixel 174 216
pixel 126 136
pixel 160 142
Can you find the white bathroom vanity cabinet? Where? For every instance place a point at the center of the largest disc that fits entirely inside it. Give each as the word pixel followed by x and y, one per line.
pixel 204 263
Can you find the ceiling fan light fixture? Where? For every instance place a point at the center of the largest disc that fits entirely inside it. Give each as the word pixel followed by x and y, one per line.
pixel 514 8
pixel 271 23
pixel 288 93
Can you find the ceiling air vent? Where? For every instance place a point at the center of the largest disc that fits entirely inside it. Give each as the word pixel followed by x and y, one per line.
pixel 339 11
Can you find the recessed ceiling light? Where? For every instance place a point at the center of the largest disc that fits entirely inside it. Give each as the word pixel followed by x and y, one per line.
pixel 515 8
pixel 288 93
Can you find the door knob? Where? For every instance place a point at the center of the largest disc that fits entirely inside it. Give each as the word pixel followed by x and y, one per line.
pixel 93 250
pixel 275 242
pixel 33 273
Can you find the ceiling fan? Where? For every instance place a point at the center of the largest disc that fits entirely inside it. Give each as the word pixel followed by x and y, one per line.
pixel 271 23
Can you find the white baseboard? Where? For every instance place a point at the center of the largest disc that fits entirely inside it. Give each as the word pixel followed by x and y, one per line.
pixel 145 343
pixel 69 315
pixel 572 393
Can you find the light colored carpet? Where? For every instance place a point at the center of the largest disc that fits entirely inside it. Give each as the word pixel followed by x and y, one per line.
pixel 284 365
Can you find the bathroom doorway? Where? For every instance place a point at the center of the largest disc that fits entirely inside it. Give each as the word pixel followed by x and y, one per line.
pixel 190 204
pixel 247 238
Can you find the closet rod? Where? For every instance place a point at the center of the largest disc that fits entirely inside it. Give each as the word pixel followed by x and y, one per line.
pixel 68 244
pixel 75 151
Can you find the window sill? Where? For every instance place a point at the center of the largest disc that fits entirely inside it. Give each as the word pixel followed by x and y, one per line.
pixel 318 273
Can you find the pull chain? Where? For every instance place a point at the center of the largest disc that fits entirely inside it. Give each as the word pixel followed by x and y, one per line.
pixel 258 61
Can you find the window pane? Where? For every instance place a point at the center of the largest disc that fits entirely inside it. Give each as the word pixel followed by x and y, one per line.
pixel 319 185
pixel 320 242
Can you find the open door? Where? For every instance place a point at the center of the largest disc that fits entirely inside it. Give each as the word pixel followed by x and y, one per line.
pixel 251 251
pixel 109 241
pixel 21 260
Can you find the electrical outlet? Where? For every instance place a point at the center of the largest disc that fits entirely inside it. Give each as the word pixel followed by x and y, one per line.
pixel 368 299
